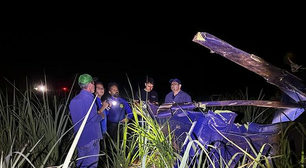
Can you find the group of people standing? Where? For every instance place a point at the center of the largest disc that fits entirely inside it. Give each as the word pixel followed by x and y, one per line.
pixel 177 95
pixel 105 116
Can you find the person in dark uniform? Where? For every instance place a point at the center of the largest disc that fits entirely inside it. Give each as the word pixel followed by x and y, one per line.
pixel 147 94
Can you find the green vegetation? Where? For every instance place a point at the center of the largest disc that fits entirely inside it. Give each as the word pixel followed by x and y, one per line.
pixel 36 131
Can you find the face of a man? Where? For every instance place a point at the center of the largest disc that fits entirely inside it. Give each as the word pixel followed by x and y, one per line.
pixel 91 87
pixel 149 87
pixel 175 86
pixel 114 91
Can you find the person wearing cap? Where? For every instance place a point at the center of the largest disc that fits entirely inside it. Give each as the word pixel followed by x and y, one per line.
pixel 177 95
pixel 89 142
pixel 147 94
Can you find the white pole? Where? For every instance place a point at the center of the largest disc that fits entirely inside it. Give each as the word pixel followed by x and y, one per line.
pixel 77 137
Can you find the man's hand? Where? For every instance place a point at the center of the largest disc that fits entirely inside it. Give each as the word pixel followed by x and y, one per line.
pixel 124 120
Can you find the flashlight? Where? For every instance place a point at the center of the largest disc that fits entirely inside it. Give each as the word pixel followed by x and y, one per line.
pixel 113 103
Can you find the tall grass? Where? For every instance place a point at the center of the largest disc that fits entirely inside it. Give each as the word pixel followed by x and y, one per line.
pixel 155 148
pixel 36 131
pixel 32 128
pixel 292 145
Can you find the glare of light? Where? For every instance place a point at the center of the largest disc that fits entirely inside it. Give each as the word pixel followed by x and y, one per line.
pixel 41 88
pixel 114 103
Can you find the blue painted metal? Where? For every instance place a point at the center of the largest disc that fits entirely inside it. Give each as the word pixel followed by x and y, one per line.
pixel 290 84
pixel 216 131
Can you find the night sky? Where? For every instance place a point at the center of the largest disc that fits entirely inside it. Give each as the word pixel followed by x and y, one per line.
pixel 117 45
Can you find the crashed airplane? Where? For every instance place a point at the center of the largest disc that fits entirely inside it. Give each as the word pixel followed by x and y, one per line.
pixel 218 128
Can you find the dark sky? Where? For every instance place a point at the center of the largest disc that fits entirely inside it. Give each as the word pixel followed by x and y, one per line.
pixel 118 44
